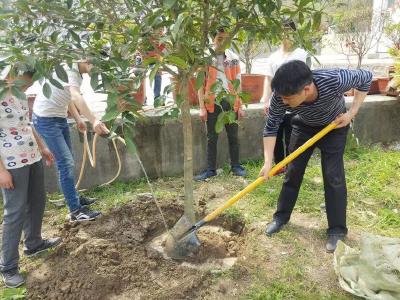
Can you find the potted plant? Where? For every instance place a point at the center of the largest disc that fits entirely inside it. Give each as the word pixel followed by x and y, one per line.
pixel 250 46
pixel 393 33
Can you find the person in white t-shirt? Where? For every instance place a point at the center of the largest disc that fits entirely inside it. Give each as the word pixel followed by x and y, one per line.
pixel 285 53
pixel 21 181
pixel 50 120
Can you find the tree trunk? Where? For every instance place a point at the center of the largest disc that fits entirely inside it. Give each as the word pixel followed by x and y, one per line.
pixel 359 61
pixel 189 210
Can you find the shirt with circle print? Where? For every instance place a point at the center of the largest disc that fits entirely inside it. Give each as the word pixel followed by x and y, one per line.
pixel 18 147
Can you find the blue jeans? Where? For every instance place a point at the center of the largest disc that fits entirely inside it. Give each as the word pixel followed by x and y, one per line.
pixel 23 211
pixel 55 132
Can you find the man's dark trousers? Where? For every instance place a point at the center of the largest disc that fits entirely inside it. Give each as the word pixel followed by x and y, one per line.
pixel 332 150
pixel 281 149
pixel 212 137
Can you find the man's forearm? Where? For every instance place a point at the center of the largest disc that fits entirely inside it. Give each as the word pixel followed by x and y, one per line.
pixel 358 99
pixel 269 145
pixel 84 109
pixel 73 111
pixel 267 92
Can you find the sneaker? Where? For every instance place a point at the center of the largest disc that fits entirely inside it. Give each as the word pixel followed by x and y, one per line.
pixel 83 214
pixel 85 201
pixel 205 175
pixel 45 245
pixel 12 278
pixel 238 171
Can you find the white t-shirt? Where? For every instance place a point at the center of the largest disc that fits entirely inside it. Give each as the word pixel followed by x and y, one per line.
pixel 221 71
pixel 18 147
pixel 57 105
pixel 278 58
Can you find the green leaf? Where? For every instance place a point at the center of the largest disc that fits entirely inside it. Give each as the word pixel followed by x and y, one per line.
pixel 200 80
pixel 220 122
pixel 301 18
pixel 75 37
pixel 245 96
pixel 153 73
pixel 168 3
pixel 56 83
pixel 317 20
pixel 236 84
pixel 46 90
pixel 304 2
pixel 128 136
pixel 61 73
pixel 3 93
pixel 112 100
pixel 177 25
pixel 19 82
pixel 69 4
pixel 94 81
pixel 111 114
pixel 177 61
pixel 53 36
pixel 18 93
pixel 149 61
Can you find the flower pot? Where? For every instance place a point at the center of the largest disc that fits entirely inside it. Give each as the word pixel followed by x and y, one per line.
pixel 374 88
pixel 382 83
pixel 254 85
pixel 192 92
pixel 139 96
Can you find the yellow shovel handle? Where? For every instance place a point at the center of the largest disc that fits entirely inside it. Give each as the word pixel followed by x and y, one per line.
pixel 271 173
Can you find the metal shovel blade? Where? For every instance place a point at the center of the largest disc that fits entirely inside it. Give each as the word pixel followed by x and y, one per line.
pixel 182 241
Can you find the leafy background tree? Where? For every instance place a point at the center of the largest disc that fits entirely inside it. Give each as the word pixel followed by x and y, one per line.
pixel 44 34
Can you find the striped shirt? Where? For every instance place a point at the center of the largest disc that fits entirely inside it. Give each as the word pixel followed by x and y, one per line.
pixel 331 85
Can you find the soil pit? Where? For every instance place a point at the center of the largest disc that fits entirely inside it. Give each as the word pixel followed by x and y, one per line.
pixel 218 249
pixel 111 258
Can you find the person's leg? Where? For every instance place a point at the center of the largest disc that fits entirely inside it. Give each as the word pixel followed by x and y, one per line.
pixel 15 201
pixel 35 206
pixel 212 138
pixel 53 131
pixel 294 175
pixel 279 150
pixel 157 85
pixel 287 132
pixel 332 150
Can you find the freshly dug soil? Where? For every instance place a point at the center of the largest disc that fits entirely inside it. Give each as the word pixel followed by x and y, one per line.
pixel 109 259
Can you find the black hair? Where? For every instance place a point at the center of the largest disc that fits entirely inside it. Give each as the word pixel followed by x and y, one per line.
pixel 289 24
pixel 291 78
pixel 29 73
pixel 219 30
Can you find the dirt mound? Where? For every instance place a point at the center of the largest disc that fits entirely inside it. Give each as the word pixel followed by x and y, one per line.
pixel 109 259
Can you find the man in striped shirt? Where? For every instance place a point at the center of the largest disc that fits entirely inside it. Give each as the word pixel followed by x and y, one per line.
pixel 316 97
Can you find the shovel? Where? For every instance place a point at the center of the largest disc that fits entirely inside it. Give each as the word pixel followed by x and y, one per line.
pixel 183 241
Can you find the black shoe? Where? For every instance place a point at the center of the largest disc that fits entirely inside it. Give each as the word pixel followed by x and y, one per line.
pixel 12 278
pixel 238 171
pixel 274 227
pixel 83 214
pixel 85 201
pixel 205 175
pixel 46 244
pixel 333 240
